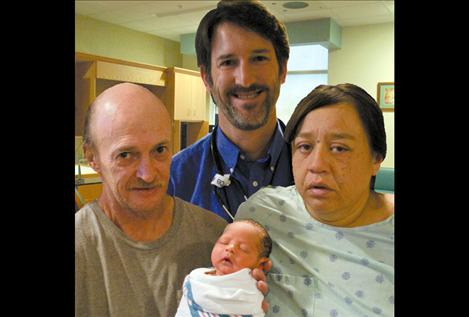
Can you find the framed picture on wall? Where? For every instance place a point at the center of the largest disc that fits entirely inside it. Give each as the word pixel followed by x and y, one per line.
pixel 386 96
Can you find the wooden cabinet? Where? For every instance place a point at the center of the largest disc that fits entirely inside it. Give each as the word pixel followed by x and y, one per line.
pixel 127 73
pixel 182 91
pixel 188 94
pixel 94 74
pixel 186 99
pixel 85 92
pixel 88 186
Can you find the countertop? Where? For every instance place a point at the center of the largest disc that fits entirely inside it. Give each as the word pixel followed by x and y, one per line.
pixel 85 170
pixel 88 175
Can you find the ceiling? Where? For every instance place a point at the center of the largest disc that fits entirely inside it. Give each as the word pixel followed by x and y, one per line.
pixel 170 19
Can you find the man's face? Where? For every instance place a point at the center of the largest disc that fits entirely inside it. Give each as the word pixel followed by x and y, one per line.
pixel 133 154
pixel 245 79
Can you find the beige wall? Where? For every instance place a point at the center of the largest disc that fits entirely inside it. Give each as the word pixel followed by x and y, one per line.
pixel 190 62
pixel 366 58
pixel 109 40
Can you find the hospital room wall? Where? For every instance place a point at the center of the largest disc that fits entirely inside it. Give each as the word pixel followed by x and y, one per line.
pixel 365 58
pixel 117 42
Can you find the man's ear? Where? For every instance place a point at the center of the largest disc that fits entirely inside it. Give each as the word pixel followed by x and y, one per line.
pixel 377 160
pixel 205 77
pixel 91 158
pixel 283 73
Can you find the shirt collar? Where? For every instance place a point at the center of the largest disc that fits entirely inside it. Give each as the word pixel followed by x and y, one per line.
pixel 229 152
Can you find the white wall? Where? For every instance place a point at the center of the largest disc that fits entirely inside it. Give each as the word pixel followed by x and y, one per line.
pixel 366 58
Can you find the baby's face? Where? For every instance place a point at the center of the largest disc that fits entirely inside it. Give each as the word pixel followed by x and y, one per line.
pixel 237 248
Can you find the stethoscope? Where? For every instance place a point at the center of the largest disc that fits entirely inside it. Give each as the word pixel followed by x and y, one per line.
pixel 220 181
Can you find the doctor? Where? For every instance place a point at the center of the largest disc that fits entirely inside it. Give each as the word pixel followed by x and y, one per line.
pixel 242 51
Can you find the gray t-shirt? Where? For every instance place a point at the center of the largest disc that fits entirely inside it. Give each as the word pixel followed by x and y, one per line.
pixel 116 276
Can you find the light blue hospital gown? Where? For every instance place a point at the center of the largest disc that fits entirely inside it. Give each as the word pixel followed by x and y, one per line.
pixel 321 270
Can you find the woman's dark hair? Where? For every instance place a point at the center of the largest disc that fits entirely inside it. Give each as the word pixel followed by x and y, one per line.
pixel 251 15
pixel 368 111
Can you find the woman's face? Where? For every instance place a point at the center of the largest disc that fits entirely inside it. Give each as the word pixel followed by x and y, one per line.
pixel 333 163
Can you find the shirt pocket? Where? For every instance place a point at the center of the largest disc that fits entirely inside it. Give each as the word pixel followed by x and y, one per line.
pixel 291 295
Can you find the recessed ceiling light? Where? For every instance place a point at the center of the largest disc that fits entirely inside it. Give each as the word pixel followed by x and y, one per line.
pixel 295 5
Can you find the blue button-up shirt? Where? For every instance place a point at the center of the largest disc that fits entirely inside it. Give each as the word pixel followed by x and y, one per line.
pixel 193 169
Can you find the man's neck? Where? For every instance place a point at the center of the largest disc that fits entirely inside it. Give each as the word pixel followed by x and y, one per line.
pixel 254 144
pixel 141 227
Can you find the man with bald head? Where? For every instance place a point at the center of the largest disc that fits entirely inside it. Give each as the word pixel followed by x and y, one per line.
pixel 135 244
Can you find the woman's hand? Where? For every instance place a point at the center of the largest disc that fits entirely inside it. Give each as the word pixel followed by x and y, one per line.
pixel 260 277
